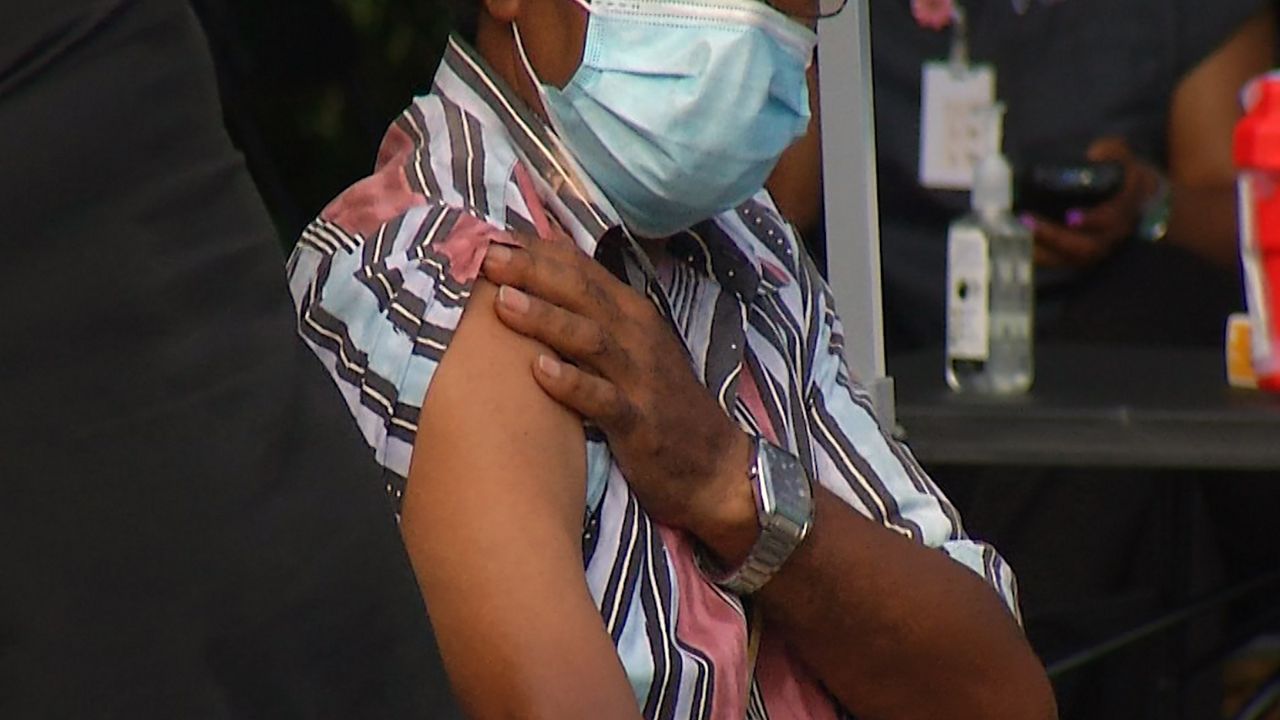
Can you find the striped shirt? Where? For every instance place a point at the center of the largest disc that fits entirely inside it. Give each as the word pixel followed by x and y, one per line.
pixel 382 277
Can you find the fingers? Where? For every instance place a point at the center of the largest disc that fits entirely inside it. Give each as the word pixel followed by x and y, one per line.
pixel 558 274
pixel 591 396
pixel 1118 218
pixel 1047 258
pixel 1113 148
pixel 1111 221
pixel 569 334
pixel 1140 178
pixel 537 272
pixel 1057 246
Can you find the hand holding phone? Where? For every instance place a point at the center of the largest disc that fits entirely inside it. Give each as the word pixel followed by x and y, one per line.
pixel 1053 189
pixel 1081 212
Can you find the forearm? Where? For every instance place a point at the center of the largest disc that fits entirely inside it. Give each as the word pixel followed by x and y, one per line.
pixel 893 629
pixel 898 630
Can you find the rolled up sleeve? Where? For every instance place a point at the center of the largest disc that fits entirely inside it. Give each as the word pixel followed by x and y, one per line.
pixel 380 310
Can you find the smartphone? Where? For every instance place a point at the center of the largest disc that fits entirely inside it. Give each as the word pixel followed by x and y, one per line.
pixel 1051 190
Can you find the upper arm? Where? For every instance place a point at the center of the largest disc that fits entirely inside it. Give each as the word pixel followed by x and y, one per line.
pixel 1206 106
pixel 492 519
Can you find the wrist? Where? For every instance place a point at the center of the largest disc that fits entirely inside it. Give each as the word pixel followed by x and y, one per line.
pixel 783 497
pixel 724 517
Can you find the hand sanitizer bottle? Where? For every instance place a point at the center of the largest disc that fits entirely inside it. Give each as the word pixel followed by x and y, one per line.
pixel 989 283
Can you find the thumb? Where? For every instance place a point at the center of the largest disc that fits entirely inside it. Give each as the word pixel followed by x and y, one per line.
pixel 1109 148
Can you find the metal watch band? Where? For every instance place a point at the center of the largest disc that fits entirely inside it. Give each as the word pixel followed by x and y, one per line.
pixel 785 517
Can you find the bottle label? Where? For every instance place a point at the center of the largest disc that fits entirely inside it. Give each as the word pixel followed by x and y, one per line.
pixel 968 293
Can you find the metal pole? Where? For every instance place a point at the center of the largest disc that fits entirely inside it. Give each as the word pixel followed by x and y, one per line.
pixel 849 182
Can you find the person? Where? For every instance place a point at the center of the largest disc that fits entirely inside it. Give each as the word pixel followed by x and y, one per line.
pixel 1151 85
pixel 795 185
pixel 190 523
pixel 634 475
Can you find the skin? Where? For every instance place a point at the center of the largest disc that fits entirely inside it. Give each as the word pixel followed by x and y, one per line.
pixel 1203 112
pixel 506 482
pixel 878 618
pixel 796 181
pixel 885 644
pixel 913 607
pixel 1206 107
pixel 493 526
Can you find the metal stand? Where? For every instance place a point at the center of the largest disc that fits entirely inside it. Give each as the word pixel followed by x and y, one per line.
pixel 849 182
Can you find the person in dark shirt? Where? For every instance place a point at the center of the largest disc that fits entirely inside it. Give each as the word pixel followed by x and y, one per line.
pixel 1152 84
pixel 189 523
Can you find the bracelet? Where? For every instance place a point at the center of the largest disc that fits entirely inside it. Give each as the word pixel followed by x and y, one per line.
pixel 1154 225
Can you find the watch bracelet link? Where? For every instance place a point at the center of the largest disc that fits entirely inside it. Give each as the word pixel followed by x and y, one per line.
pixel 762 563
pixel 779 537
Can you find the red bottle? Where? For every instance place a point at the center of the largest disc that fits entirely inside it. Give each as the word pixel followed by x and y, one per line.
pixel 1257 155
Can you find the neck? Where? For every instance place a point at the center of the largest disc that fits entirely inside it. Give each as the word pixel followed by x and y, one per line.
pixel 496 43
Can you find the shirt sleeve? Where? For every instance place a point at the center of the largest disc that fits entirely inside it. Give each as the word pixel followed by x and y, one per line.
pixel 380 309
pixel 874 473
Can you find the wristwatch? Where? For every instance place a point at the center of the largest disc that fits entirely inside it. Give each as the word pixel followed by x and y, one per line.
pixel 784 507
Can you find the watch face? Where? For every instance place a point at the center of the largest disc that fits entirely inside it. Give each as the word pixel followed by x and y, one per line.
pixel 790 494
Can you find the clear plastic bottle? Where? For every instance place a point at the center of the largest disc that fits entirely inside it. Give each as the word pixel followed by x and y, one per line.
pixel 990 285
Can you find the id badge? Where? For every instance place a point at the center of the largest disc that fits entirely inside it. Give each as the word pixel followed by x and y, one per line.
pixel 953 101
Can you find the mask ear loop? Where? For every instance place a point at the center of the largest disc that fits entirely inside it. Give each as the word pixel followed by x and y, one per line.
pixel 528 66
pixel 542 98
pixel 641 256
pixel 524 57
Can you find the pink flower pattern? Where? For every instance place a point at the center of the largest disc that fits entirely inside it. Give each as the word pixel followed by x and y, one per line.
pixel 940 14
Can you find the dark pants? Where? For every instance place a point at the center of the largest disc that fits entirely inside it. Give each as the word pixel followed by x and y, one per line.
pixel 190 524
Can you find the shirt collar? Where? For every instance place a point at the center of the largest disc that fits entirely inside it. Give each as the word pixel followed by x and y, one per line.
pixel 564 187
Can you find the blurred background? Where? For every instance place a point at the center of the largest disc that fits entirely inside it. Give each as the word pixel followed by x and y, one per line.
pixel 309 87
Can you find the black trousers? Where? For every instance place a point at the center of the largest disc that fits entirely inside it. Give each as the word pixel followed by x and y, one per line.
pixel 190 524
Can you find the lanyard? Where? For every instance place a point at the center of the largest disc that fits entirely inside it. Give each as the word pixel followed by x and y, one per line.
pixel 959 58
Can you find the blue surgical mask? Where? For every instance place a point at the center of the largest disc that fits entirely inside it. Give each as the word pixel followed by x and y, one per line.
pixel 681 108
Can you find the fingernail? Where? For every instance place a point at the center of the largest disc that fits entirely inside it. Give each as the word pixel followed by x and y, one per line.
pixel 513 298
pixel 1027 221
pixel 1075 218
pixel 498 254
pixel 548 366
